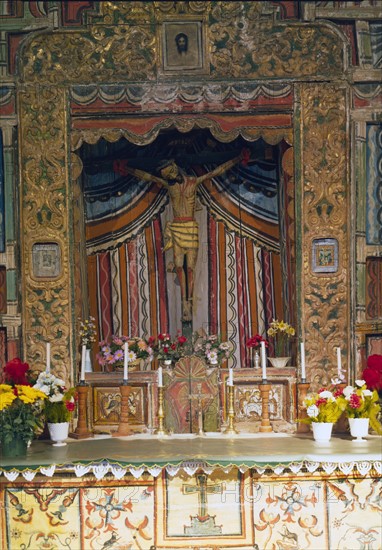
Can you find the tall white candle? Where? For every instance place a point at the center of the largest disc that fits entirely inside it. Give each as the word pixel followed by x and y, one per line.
pixel 47 369
pixel 302 350
pixel 83 360
pixel 339 367
pixel 160 377
pixel 125 361
pixel 230 376
pixel 263 361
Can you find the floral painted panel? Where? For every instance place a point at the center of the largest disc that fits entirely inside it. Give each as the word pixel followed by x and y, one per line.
pixel 290 515
pixel 354 514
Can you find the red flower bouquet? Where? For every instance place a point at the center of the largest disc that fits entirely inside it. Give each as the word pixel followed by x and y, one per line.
pixel 255 341
pixel 17 372
pixel 372 374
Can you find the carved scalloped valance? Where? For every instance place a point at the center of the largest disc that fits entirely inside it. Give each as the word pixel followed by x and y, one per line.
pixel 224 129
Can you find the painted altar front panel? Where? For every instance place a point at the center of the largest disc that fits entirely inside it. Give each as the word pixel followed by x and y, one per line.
pixel 193 510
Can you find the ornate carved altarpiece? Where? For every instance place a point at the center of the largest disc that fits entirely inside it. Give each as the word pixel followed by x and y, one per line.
pixel 120 45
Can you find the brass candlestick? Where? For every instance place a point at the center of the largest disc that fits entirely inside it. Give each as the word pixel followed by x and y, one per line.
pixel 265 425
pixel 302 390
pixel 160 430
pixel 123 427
pixel 230 430
pixel 81 431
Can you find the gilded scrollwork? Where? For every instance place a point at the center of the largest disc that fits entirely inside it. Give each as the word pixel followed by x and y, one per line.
pixel 104 54
pixel 324 210
pixel 244 41
pixel 250 51
pixel 44 219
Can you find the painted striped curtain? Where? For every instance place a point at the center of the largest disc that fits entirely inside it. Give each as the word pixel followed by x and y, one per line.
pixel 133 289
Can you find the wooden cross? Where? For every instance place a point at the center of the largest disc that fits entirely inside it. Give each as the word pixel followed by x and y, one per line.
pixel 203 489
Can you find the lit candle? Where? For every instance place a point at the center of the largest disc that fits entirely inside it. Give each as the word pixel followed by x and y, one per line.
pixel 125 361
pixel 263 361
pixel 160 377
pixel 47 369
pixel 339 362
pixel 83 360
pixel 302 349
pixel 230 377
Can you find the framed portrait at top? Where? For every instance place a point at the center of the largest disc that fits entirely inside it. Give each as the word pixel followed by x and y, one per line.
pixel 325 256
pixel 183 46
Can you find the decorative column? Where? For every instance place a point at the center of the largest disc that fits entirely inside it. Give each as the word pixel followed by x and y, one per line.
pixel 81 431
pixel 265 425
pixel 231 430
pixel 123 428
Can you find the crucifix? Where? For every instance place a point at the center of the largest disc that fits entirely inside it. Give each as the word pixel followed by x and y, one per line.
pixel 203 489
pixel 199 396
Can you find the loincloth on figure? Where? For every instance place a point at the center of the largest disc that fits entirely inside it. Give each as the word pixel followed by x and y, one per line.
pixel 181 234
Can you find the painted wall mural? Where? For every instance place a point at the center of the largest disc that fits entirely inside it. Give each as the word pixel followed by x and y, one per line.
pixel 193 510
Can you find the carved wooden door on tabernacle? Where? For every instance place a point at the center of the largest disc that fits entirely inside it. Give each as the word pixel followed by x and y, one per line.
pixel 192 397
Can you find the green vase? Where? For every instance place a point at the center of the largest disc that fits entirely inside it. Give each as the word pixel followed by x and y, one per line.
pixel 14 449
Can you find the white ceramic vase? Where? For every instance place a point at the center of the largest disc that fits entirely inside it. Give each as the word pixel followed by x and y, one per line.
pixel 279 362
pixel 167 362
pixel 322 431
pixel 58 432
pixel 256 360
pixel 359 428
pixel 213 361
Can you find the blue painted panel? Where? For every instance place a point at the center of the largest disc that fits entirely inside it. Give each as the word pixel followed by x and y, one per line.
pixel 374 184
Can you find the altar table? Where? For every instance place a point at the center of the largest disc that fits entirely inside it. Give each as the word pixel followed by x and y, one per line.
pixel 213 492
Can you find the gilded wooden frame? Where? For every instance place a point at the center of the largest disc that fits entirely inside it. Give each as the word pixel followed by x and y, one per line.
pixel 53 62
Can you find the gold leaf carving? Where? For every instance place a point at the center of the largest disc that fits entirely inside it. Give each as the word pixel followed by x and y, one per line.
pixel 324 208
pixel 44 219
pixel 243 41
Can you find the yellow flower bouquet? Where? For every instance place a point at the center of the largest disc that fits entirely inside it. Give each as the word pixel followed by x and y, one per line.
pixel 280 332
pixel 20 408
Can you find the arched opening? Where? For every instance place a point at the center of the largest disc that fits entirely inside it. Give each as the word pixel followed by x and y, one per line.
pixel 243 277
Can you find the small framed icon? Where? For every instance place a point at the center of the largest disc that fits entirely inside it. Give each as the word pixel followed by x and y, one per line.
pixel 325 256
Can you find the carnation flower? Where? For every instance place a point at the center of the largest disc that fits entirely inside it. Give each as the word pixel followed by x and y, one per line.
pixel 354 401
pixel 312 411
pixel 326 394
pixel 212 347
pixel 347 392
pixel 15 372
